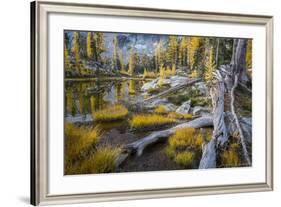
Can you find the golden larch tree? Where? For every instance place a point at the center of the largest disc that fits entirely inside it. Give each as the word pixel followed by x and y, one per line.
pixel 210 66
pixel 172 49
pixel 76 51
pixel 99 45
pixel 159 55
pixel 182 56
pixel 192 48
pixel 249 54
pixel 90 45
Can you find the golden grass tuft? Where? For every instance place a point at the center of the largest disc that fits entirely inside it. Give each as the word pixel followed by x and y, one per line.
pixel 184 158
pixel 141 121
pixel 79 139
pixel 185 137
pixel 102 161
pixel 170 152
pixel 161 109
pixel 181 143
pixel 111 113
pixel 230 157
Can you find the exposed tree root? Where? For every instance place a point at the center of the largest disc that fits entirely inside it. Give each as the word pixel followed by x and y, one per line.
pixel 242 139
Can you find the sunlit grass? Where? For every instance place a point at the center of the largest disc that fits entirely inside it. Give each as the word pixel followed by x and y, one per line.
pixel 185 137
pixel 101 161
pixel 184 158
pixel 111 113
pixel 183 145
pixel 170 152
pixel 79 139
pixel 161 109
pixel 230 157
pixel 141 121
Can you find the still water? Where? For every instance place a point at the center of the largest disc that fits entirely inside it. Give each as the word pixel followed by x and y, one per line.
pixel 84 97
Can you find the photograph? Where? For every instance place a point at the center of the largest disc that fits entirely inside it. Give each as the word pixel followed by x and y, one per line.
pixel 136 102
pixel 124 98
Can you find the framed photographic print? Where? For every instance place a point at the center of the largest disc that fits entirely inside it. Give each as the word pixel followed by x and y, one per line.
pixel 134 103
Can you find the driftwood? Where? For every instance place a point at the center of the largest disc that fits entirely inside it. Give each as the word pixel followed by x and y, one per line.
pixel 209 150
pixel 154 137
pixel 220 136
pixel 230 75
pixel 171 90
pixel 158 136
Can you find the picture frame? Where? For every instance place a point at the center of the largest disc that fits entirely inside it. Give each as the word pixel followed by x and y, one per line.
pixel 41 93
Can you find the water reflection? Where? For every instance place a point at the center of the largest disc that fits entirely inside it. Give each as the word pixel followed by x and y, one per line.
pixel 83 98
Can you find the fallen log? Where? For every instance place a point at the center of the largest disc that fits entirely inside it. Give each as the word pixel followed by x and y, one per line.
pixel 171 90
pixel 207 121
pixel 139 145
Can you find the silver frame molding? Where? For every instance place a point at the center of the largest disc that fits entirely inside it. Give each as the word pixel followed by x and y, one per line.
pixel 39 100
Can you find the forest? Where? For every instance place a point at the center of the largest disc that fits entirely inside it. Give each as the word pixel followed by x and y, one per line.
pixel 150 102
